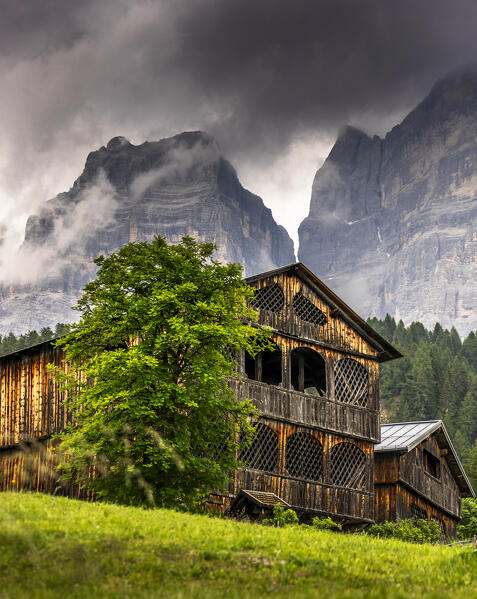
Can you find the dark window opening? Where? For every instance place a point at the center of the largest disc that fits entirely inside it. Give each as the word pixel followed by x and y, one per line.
pixel 262 454
pixel 307 311
pixel 304 456
pixel 348 466
pixel 432 464
pixel 250 367
pixel 266 367
pixel 308 371
pixel 271 366
pixel 351 382
pixel 417 512
pixel 270 298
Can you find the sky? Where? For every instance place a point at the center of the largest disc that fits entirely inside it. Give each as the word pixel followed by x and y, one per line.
pixel 273 80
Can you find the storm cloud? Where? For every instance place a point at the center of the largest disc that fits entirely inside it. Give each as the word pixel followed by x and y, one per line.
pixel 272 80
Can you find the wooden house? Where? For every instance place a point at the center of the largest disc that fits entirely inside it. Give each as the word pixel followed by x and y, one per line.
pixel 418 474
pixel 318 398
pixel 317 394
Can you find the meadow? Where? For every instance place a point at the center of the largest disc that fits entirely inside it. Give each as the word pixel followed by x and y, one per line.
pixel 52 547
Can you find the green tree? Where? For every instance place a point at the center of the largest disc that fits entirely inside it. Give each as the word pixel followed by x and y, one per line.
pixel 471 465
pixel 467 414
pixel 153 351
pixel 467 527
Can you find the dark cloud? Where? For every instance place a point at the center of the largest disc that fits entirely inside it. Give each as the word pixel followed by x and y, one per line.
pixel 284 66
pixel 261 75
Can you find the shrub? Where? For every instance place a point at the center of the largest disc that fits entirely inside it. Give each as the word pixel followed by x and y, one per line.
pixel 281 517
pixel 468 525
pixel 325 524
pixel 414 531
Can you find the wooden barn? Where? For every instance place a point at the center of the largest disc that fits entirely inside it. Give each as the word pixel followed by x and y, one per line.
pixel 318 396
pixel 418 474
pixel 317 393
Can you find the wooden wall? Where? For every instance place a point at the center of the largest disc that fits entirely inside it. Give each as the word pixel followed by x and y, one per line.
pixel 318 496
pixel 443 492
pixel 401 480
pixel 31 404
pixel 32 466
pixel 336 333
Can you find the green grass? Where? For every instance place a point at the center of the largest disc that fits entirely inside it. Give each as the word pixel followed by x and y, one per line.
pixel 56 547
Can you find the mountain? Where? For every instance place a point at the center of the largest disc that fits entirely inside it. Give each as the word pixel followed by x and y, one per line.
pixel 393 222
pixel 174 187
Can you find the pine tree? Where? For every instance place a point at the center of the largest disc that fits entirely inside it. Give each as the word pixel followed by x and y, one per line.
pixel 470 465
pixel 467 414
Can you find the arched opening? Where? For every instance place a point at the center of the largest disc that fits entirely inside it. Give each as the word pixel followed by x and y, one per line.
pixel 348 466
pixel 351 382
pixel 262 453
pixel 304 456
pixel 308 371
pixel 266 367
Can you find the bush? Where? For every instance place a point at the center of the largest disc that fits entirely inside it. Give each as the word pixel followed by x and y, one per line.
pixel 325 524
pixel 281 517
pixel 414 531
pixel 468 525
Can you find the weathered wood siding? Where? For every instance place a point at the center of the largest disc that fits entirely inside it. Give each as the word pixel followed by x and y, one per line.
pixel 31 404
pixel 442 492
pixel 336 333
pixel 300 408
pixel 405 498
pixel 401 482
pixel 32 467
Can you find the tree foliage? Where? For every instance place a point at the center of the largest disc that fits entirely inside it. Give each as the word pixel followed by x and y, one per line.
pixel 467 527
pixel 153 414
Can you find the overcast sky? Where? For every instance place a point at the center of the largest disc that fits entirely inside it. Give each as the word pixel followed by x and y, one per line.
pixel 273 80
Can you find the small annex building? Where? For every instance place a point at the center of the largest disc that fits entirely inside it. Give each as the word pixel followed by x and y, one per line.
pixel 417 474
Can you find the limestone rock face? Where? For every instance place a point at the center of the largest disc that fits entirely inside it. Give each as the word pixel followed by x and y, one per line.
pixel 393 222
pixel 174 187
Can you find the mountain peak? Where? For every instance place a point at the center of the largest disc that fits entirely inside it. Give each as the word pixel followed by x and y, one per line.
pixel 117 142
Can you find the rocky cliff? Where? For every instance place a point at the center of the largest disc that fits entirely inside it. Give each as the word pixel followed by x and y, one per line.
pixel 174 187
pixel 393 222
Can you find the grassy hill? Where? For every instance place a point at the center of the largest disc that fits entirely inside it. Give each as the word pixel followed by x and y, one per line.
pixel 57 547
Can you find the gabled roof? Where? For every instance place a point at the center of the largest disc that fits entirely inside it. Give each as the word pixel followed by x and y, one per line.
pixel 402 437
pixel 385 350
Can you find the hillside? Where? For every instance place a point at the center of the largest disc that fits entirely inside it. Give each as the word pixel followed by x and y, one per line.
pixel 392 225
pixel 57 547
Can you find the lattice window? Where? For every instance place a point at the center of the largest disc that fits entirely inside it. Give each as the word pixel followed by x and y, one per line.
pixel 351 382
pixel 442 524
pixel 262 454
pixel 304 456
pixel 270 298
pixel 307 311
pixel 417 512
pixel 348 466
